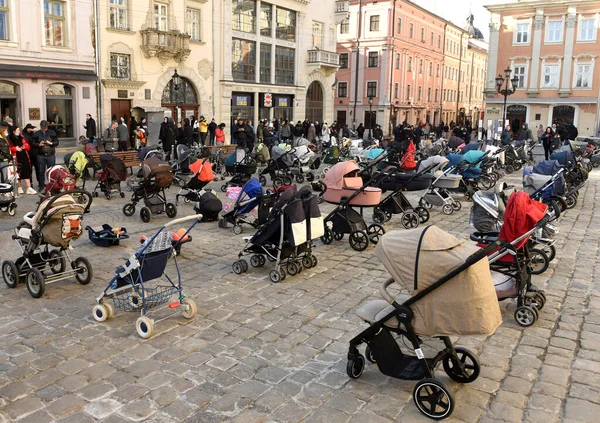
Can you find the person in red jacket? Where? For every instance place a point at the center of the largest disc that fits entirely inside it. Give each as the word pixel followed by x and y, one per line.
pixel 220 134
pixel 19 148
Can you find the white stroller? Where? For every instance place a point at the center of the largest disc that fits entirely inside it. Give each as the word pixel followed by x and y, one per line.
pixel 438 194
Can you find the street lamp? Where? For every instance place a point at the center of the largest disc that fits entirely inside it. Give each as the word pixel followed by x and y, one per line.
pixel 176 83
pixel 510 88
pixel 370 118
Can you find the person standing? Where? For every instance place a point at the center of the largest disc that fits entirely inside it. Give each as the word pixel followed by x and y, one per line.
pixel 260 131
pixel 540 133
pixel 33 151
pixel 506 136
pixel 311 133
pixel 123 135
pixel 19 148
pixel 162 133
pixel 546 140
pixel 212 128
pixel 250 135
pixel 525 133
pixel 286 131
pixel 360 131
pixel 132 132
pixel 188 135
pixel 220 135
pixel 111 137
pixel 46 141
pixel 203 127
pixel 169 138
pixel 90 127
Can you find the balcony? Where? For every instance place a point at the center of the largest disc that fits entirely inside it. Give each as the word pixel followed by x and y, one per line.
pixel 342 11
pixel 328 60
pixel 165 45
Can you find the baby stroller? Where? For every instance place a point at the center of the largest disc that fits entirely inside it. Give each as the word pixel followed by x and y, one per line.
pixel 208 205
pixel 239 164
pixel 7 193
pixel 181 166
pixel 512 262
pixel 575 175
pixel 345 188
pixel 157 176
pixel 203 175
pixel 58 179
pixel 250 197
pixel 305 162
pixel 546 183
pixel 279 167
pixel 112 172
pixel 449 296
pixel 55 223
pixel 470 173
pixel 130 289
pixel 443 180
pixel 278 239
pixel 217 158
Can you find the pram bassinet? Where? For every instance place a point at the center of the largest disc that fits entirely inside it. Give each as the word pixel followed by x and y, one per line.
pixel 342 180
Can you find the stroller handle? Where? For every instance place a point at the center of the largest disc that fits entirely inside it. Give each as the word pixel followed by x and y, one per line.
pixel 384 293
pixel 183 219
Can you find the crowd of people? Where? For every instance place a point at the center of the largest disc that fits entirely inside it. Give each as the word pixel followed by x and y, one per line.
pixel 551 137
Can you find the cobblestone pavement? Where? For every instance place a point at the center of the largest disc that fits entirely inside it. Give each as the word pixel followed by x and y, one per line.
pixel 263 352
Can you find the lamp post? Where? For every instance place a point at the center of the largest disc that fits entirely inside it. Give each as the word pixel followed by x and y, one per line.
pixel 510 86
pixel 176 83
pixel 370 118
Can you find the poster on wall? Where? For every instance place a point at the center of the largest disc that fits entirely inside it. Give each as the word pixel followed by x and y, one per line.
pixel 268 101
pixel 168 113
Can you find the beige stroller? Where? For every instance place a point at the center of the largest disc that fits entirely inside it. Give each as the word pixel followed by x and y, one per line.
pixel 450 296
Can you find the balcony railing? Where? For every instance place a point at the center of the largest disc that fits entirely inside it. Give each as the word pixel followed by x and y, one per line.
pixel 165 45
pixel 324 58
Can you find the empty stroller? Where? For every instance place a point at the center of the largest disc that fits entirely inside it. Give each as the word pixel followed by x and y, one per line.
pixel 55 223
pixel 203 174
pixel 249 198
pixel 130 289
pixel 345 188
pixel 7 193
pixel 239 164
pixel 181 166
pixel 449 296
pixel 157 176
pixel 58 179
pixel 112 172
pixel 279 167
pixel 443 180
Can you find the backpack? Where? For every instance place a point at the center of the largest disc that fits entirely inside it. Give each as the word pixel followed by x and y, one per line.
pixel 209 206
pixel 4 150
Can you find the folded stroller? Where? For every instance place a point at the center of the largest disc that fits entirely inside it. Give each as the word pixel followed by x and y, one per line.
pixel 58 179
pixel 202 172
pixel 240 165
pixel 157 176
pixel 55 223
pixel 279 238
pixel 513 261
pixel 131 291
pixel 250 197
pixel 438 194
pixel 345 188
pixel 451 294
pixel 112 172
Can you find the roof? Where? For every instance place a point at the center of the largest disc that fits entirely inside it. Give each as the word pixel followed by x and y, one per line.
pixel 480 44
pixel 531 4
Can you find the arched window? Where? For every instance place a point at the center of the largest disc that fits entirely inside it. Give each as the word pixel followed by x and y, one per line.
pixel 314 102
pixel 184 94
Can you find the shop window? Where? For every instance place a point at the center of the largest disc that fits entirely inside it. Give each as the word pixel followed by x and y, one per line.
pixel 54 23
pixel 59 109
pixel 266 19
pixel 265 63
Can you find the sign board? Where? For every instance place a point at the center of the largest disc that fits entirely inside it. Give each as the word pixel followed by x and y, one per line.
pixel 268 102
pixel 122 93
pixel 283 102
pixel 492 112
pixel 241 100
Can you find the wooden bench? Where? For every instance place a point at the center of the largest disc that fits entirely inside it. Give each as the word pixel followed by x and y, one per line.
pixel 129 158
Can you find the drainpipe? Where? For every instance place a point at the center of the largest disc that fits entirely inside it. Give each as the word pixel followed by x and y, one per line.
pixel 459 76
pixel 99 96
pixel 357 63
pixel 392 49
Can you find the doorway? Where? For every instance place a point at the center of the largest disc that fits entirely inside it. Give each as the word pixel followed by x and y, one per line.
pixel 8 101
pixel 59 109
pixel 119 109
pixel 516 115
pixel 341 117
pixel 314 102
pixel 183 101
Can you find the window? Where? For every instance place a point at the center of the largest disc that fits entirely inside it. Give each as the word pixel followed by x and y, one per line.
pixel 437 70
pixel 243 60
pixel 428 94
pixel 410 64
pixel 432 38
pixel 439 41
pixel 408 92
pixel 420 91
pixel 396 89
pixel 374 23
pixel 412 30
pixel 344 60
pixel 583 76
pixel 244 15
pixel 345 27
pixel 54 23
pixel 161 17
pixel 421 66
pixel 554 32
pixel 550 76
pixel 587 30
pixel 430 69
pixel 286 25
pixel 399 26
pixel 398 60
pixel 519 72
pixel 436 94
pixel 373 59
pixel 192 24
pixel 285 64
pixel 317 35
pixel 445 95
pixel 522 34
pixel 372 89
pixel 117 14
pixel 422 35
pixel 265 63
pixel 266 19
pixel 4 33
pixel 342 89
pixel 120 66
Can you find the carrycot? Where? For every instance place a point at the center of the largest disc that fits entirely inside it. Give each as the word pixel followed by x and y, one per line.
pixel 465 305
pixel 160 171
pixel 342 180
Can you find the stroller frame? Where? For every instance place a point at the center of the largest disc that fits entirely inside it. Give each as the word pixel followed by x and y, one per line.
pixel 108 182
pixel 128 296
pixel 448 203
pixel 240 178
pixel 146 191
pixel 383 349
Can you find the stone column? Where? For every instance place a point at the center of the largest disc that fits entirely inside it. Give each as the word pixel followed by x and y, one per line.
pixel 538 36
pixel 352 83
pixel 490 83
pixel 274 37
pixel 565 83
pixel 257 33
pixel 227 42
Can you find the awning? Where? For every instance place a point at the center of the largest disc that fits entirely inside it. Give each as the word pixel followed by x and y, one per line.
pixel 40 72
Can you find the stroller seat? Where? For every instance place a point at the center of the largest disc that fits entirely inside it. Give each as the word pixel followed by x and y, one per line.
pixel 28 218
pixel 374 311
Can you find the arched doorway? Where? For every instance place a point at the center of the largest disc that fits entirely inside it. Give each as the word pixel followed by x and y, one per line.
pixel 314 102
pixel 59 109
pixel 516 115
pixel 563 114
pixel 8 100
pixel 183 101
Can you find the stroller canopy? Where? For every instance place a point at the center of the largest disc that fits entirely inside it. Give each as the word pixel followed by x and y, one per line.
pixel 183 153
pixel 440 161
pixel 334 178
pixel 465 305
pixel 547 167
pixel 470 147
pixel 408 160
pixel 78 162
pixel 154 167
pixel 564 158
pixel 374 153
pixel 116 164
pixel 302 141
pixel 472 156
pixel 521 215
pixel 61 223
pixel 203 170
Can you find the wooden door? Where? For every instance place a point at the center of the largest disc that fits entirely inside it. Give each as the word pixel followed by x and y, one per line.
pixel 120 108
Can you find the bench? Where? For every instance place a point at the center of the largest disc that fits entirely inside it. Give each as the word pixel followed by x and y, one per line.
pixel 129 158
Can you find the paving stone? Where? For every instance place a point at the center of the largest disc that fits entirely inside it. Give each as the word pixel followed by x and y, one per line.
pixel 582 411
pixel 66 405
pixel 102 408
pixel 22 407
pixel 137 411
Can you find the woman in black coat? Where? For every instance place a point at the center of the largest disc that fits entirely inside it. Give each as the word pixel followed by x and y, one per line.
pixel 169 137
pixel 547 141
pixel 188 134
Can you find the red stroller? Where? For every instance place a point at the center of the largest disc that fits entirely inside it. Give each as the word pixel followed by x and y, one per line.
pixel 58 180
pixel 112 172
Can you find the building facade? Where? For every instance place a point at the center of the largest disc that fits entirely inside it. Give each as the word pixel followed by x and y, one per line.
pixel 476 70
pixel 48 65
pixel 141 45
pixel 551 47
pixel 276 59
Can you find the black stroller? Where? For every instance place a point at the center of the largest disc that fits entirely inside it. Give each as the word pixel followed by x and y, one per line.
pixel 240 165
pixel 279 167
pixel 450 297
pixel 112 172
pixel 181 166
pixel 157 176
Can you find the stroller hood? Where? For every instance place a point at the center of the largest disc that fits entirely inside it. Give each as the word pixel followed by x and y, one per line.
pixel 79 162
pixel 408 160
pixel 564 158
pixel 441 162
pixel 203 170
pixel 465 305
pixel 547 167
pixel 277 152
pixel 470 147
pixel 334 178
pixel 473 156
pixel 183 153
pixel 521 215
pixel 374 153
pixel 454 159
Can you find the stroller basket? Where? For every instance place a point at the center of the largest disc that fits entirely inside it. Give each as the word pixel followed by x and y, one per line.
pixel 130 301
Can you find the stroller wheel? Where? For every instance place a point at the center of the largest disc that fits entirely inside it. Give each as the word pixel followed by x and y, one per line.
pixel 81 199
pixel 292 268
pixel 122 194
pixel 550 251
pixel 424 203
pixel 509 169
pixel 310 177
pixel 145 214
pixel 447 209
pixel 462 367
pixel 144 327
pixel 468 195
pixel 181 182
pixel 485 182
pixel 456 205
pixel 327 238
pixel 222 223
pixel 369 355
pixel 307 262
pixel 36 285
pixel 538 261
pixel 378 216
pixel 12 209
pixel 257 260
pixel 275 276
pixel 10 273
pixel 319 199
pixel 300 178
pixel 224 188
pixel 244 264
pixel 359 240
pixel 83 267
pixel 433 398
pixel 171 210
pixel 287 180
pixel 314 261
pixel 541 299
pixel 277 182
pixel 57 262
pixel 355 367
pixel 338 236
pixel 129 209
pixel 375 233
pixel 189 308
pixel 571 201
pixel 263 180
pixel 526 316
pixel 101 313
pixel 410 220
pixel 108 196
pixel 237 268
pixel 238 229
pixel 95 194
pixel 423 214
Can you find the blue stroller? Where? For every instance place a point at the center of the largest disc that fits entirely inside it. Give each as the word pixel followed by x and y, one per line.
pixel 250 197
pixel 129 287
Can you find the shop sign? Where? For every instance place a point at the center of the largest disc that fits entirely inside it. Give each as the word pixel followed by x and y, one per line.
pixel 283 102
pixel 268 101
pixel 493 112
pixel 241 100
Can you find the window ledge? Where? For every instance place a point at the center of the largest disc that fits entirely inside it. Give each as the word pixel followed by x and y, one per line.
pixel 553 42
pixel 198 42
pixel 8 43
pixel 123 31
pixel 58 49
pixel 585 41
pixel 521 44
pixel 582 88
